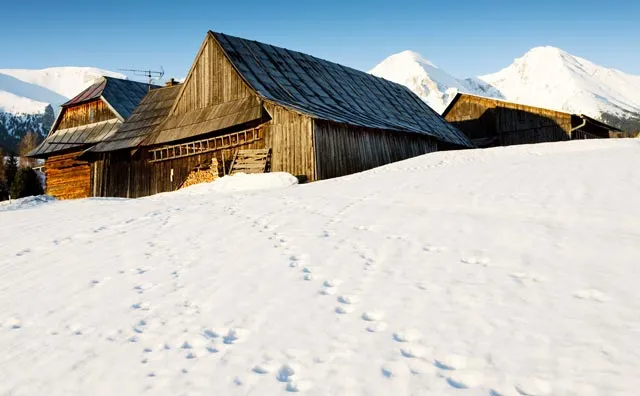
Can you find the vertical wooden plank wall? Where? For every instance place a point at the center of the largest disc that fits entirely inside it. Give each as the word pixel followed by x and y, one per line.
pixel 212 80
pixel 80 114
pixel 68 177
pixel 509 123
pixel 290 136
pixel 341 149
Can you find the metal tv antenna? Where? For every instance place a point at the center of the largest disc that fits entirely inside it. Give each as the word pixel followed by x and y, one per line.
pixel 152 75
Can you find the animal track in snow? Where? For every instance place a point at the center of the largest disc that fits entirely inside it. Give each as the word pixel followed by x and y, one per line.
pixel 348 299
pixel 332 282
pixel 141 288
pixel 265 367
pixel 407 335
pixel 287 372
pixel 523 277
pixel 434 249
pixel 298 386
pixel 592 294
pixel 533 387
pixel 328 291
pixel 234 335
pixel 483 261
pixel 144 306
pixel 13 323
pixel 394 369
pixel 413 351
pixel 372 316
pixel 377 327
pixel 465 379
pixel 23 252
pixel 343 310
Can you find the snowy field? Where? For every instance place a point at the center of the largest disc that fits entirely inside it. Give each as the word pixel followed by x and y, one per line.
pixel 510 271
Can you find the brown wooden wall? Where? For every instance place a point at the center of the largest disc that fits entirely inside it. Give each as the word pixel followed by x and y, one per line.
pixel 290 136
pixel 212 80
pixel 67 176
pixel 80 114
pixel 341 150
pixel 131 177
pixel 489 122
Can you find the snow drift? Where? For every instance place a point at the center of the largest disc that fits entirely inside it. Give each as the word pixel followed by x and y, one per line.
pixel 506 271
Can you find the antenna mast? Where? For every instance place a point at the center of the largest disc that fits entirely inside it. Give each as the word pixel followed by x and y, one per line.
pixel 151 75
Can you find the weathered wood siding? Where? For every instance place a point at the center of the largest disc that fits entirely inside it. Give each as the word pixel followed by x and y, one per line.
pixel 341 150
pixel 290 136
pixel 67 176
pixel 212 80
pixel 489 122
pixel 134 176
pixel 86 113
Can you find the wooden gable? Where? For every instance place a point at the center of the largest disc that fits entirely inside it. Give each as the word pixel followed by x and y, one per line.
pixel 211 81
pixel 85 114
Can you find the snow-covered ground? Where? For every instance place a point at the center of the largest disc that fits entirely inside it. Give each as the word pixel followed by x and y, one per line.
pixel 509 271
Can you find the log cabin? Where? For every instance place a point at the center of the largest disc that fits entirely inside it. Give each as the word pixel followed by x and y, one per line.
pixel 307 116
pixel 86 119
pixel 490 122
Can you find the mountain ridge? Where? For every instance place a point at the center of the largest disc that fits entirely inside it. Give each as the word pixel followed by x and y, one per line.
pixel 30 98
pixel 544 77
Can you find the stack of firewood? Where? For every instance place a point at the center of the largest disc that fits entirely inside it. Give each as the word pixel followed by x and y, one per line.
pixel 202 174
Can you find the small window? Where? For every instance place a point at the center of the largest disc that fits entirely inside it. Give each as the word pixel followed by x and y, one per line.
pixel 92 114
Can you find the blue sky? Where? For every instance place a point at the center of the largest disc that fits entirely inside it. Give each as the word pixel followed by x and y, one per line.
pixel 466 38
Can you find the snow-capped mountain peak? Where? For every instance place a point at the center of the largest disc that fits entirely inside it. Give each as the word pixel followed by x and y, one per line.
pixel 66 81
pixel 550 77
pixel 545 76
pixel 429 82
pixel 29 98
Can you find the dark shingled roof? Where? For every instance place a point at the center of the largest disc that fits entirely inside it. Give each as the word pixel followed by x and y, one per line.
pixel 64 139
pixel 151 111
pixel 122 95
pixel 329 91
pixel 209 119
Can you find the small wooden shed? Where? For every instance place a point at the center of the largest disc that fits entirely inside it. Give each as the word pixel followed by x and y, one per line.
pixel 83 121
pixel 489 122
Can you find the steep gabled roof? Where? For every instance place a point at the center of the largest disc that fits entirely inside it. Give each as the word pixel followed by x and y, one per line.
pixel 122 95
pixel 329 91
pixel 76 137
pixel 151 111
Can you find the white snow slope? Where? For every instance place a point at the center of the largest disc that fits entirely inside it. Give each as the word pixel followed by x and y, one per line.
pixel 26 91
pixel 508 271
pixel 545 76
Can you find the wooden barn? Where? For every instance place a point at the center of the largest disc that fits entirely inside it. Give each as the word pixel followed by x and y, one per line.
pixel 252 107
pixel 83 121
pixel 489 122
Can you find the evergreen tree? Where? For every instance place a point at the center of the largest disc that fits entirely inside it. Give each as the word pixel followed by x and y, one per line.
pixel 26 184
pixel 10 170
pixel 4 190
pixel 48 119
pixel 27 144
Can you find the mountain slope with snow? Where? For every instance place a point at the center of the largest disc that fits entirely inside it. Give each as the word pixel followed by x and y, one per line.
pixel 455 273
pixel 432 84
pixel 27 97
pixel 66 81
pixel 550 77
pixel 545 77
